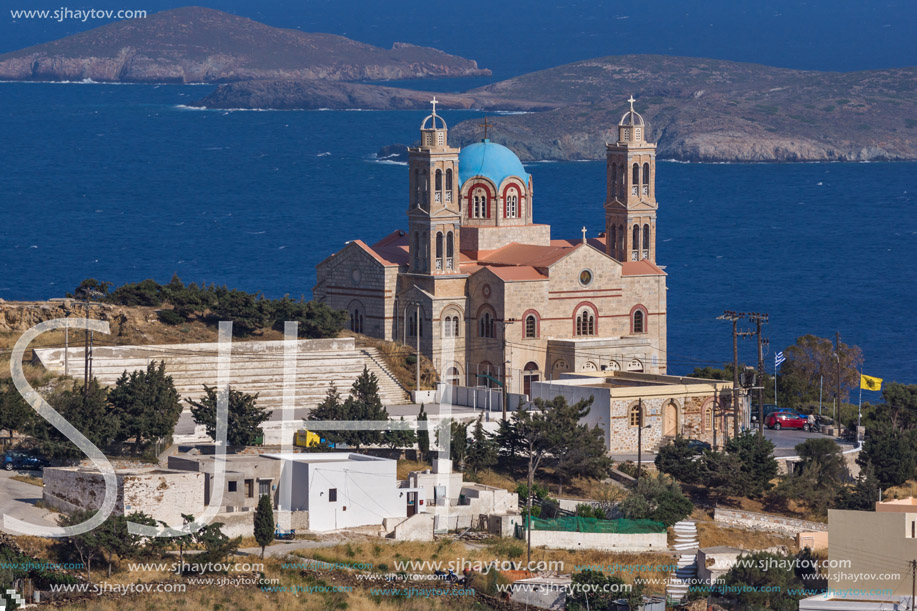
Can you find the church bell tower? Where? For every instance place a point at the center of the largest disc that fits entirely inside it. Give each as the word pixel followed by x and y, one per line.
pixel 630 202
pixel 433 213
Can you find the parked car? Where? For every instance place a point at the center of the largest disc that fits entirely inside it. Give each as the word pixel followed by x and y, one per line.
pixel 699 446
pixel 20 460
pixel 787 419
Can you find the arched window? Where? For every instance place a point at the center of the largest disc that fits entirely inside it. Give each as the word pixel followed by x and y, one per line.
pixel 646 173
pixel 512 206
pixel 413 323
pixel 450 250
pixel 449 179
pixel 416 249
pixel 621 238
pixel 635 415
pixel 417 187
pixel 613 179
pixel 613 240
pixel 636 174
pixel 439 250
pixel 646 241
pixel 622 175
pixel 439 180
pixel 480 208
pixel 635 247
pixel 585 322
pixel 453 377
pixel 451 325
pixel 487 325
pixel 639 325
pixel 708 419
pixel 487 373
pixel 531 327
pixel 356 320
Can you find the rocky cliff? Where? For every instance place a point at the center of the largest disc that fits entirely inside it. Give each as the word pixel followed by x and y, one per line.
pixel 194 44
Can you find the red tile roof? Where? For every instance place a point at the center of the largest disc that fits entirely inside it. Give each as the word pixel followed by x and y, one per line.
pixel 517 273
pixel 640 268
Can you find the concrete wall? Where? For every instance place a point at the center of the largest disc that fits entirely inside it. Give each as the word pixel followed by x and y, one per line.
pixel 612 542
pixel 763 521
pixel 162 494
pixel 814 540
pixel 419 527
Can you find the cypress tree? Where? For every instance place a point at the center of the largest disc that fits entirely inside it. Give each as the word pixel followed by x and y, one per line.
pixel 264 523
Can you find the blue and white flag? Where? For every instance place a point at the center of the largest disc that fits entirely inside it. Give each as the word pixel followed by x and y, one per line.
pixel 778 358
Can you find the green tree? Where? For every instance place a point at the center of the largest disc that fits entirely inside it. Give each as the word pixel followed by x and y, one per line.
pixel 818 479
pixel 398 439
pixel 680 460
pixel 244 417
pixel 89 412
pixel 482 450
pixel 247 312
pixel 865 493
pixel 508 442
pixel 87 546
pixel 145 293
pixel 812 359
pixel 722 473
pixel 215 544
pixel 264 523
pixel 756 457
pixel 899 405
pixel 458 440
pixel 90 285
pixel 331 408
pixel 597 591
pixel 764 581
pixel 656 497
pixel 891 454
pixel 15 413
pixel 533 427
pixel 423 435
pixel 577 449
pixel 146 404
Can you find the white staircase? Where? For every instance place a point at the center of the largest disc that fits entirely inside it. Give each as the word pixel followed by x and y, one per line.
pixel 686 567
pixel 256 367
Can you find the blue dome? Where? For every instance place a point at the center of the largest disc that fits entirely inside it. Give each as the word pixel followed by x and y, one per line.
pixel 490 160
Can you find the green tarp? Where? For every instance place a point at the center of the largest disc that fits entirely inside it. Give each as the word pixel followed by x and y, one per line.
pixel 594 525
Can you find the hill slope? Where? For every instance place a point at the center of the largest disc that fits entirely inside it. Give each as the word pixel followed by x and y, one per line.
pixel 712 110
pixel 194 44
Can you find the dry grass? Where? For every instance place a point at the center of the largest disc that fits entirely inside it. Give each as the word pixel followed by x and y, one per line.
pixel 397 359
pixel 905 490
pixel 29 479
pixel 711 535
pixel 405 467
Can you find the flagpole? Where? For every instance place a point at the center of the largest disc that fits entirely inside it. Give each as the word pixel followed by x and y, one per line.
pixel 860 408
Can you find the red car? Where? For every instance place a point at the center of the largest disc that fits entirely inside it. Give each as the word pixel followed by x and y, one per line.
pixel 786 420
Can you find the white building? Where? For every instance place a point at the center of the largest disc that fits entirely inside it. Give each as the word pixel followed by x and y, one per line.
pixel 343 489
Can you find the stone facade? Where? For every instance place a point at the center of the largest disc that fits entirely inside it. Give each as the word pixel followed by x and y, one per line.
pixel 486 292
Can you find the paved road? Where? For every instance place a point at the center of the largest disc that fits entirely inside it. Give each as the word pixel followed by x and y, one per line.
pixel 17 499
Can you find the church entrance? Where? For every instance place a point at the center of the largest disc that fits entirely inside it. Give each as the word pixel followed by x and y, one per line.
pixel 670 419
pixel 529 375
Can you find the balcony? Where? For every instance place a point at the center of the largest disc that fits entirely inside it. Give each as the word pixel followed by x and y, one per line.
pixel 438 197
pixel 448 197
pixel 646 254
pixel 633 190
pixel 449 263
pixel 635 255
pixel 439 265
pixel 646 189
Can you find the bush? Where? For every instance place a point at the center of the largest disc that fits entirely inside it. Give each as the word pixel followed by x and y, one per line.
pixel 170 317
pixel 679 460
pixel 657 498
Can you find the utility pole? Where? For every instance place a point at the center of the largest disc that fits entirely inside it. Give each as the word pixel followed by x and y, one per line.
pixel 913 564
pixel 734 317
pixel 639 438
pixel 503 326
pixel 417 344
pixel 713 416
pixel 760 319
pixel 88 294
pixel 837 355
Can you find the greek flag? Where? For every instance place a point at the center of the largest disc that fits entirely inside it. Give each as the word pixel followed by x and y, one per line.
pixel 778 358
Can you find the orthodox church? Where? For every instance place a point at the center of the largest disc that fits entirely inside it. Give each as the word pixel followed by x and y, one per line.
pixel 486 292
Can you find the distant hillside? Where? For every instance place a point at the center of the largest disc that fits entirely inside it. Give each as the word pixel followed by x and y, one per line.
pixel 195 44
pixel 712 110
pixel 314 94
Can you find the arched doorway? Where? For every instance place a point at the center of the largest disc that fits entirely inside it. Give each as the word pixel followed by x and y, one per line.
pixel 530 374
pixel 669 419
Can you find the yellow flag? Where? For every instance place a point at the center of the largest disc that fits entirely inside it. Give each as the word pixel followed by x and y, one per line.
pixel 870 383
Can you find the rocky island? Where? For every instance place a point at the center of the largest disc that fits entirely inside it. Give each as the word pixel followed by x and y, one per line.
pixel 698 109
pixel 201 45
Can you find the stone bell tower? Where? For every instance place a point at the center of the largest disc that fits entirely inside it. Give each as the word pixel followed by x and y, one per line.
pixel 630 202
pixel 433 214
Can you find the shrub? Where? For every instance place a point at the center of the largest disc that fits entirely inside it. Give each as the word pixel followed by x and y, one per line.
pixel 170 317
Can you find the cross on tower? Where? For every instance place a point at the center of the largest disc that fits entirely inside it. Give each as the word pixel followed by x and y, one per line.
pixel 485 125
pixel 434 102
pixel 584 233
pixel 631 100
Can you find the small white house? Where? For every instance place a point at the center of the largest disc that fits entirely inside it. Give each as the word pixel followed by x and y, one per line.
pixel 343 489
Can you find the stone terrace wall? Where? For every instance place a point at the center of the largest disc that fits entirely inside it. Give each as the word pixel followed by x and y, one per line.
pixel 764 521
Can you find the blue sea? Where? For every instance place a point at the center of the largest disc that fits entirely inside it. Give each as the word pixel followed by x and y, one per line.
pixel 126 182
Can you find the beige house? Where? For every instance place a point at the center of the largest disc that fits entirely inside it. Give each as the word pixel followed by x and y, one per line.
pixel 672 405
pixel 869 558
pixel 488 293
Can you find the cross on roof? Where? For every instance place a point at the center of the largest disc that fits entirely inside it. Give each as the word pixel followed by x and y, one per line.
pixel 485 125
pixel 631 100
pixel 434 102
pixel 584 233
